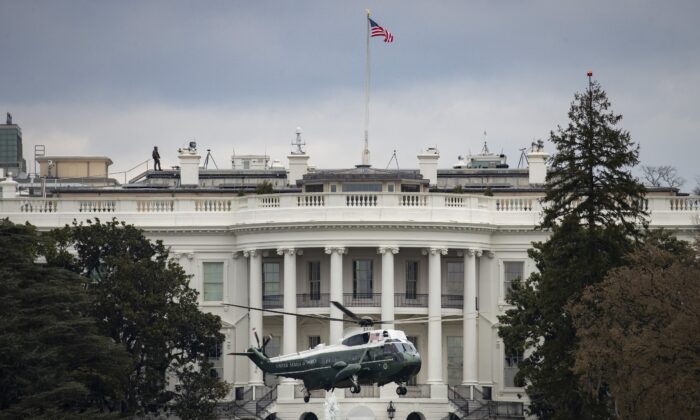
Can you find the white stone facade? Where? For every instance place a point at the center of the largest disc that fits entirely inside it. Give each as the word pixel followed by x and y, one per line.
pixel 424 253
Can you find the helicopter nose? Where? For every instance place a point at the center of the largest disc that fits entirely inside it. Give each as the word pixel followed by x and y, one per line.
pixel 416 364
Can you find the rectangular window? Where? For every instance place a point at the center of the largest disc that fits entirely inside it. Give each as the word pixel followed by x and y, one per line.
pixel 214 357
pixel 414 340
pixel 314 188
pixel 454 360
pixel 334 188
pixel 357 187
pixel 455 278
pixel 314 340
pixel 512 270
pixel 411 279
pixel 315 280
pixel 271 279
pixel 410 188
pixel 362 279
pixel 510 367
pixel 213 281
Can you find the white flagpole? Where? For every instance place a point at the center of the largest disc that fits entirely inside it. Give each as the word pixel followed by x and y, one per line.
pixel 365 152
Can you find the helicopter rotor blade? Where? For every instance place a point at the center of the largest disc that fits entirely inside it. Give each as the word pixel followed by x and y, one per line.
pixel 240 353
pixel 347 311
pixel 318 317
pixel 257 339
pixel 266 340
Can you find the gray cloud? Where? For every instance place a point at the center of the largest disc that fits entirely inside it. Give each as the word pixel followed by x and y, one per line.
pixel 115 78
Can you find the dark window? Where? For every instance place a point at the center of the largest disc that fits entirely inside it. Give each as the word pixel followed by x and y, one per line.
pixel 410 188
pixel 314 340
pixel 357 187
pixel 315 280
pixel 271 279
pixel 414 342
pixel 411 279
pixel 357 340
pixel 362 279
pixel 314 188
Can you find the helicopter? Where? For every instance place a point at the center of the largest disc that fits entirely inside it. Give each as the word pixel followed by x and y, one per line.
pixel 361 358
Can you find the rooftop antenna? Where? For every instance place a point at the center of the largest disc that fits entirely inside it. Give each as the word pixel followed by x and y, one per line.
pixel 485 150
pixel 206 160
pixel 298 143
pixel 9 119
pixel 394 158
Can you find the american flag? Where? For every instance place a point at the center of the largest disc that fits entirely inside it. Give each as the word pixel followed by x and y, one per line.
pixel 377 30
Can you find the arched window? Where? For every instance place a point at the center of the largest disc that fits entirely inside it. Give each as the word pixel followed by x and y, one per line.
pixel 415 416
pixel 308 416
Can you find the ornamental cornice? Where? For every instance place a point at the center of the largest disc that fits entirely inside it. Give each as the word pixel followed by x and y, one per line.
pixel 363 226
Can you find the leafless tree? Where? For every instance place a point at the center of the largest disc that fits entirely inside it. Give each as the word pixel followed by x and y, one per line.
pixel 696 190
pixel 662 176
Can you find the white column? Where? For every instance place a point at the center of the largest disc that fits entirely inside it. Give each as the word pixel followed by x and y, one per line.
pixel 289 323
pixel 336 328
pixel 435 314
pixel 469 336
pixel 255 299
pixel 387 284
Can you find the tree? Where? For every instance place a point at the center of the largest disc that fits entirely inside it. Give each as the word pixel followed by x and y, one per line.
pixel 638 332
pixel 696 190
pixel 144 302
pixel 662 176
pixel 54 363
pixel 264 188
pixel 590 208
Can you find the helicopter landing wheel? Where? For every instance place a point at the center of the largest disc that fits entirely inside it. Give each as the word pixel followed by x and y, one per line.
pixel 355 389
pixel 401 390
pixel 307 397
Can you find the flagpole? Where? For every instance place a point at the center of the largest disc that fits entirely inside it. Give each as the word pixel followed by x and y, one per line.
pixel 365 152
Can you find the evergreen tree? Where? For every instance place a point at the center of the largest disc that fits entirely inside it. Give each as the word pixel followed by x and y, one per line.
pixel 591 208
pixel 54 363
pixel 144 302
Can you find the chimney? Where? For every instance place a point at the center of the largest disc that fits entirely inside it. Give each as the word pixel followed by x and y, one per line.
pixel 189 165
pixel 298 160
pixel 428 163
pixel 537 163
pixel 8 188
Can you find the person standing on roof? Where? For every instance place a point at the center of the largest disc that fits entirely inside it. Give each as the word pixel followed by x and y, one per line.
pixel 156 159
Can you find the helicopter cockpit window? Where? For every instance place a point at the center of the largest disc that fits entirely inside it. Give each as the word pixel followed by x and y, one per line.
pixel 357 340
pixel 409 348
pixel 392 348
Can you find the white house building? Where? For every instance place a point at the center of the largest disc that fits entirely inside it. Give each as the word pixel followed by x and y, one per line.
pixel 391 244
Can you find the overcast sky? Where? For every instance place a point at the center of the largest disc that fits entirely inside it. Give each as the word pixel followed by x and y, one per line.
pixel 117 78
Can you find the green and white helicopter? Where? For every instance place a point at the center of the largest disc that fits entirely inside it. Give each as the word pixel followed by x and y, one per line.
pixel 364 357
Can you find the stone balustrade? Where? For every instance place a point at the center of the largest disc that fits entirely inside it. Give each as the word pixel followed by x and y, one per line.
pixel 438 208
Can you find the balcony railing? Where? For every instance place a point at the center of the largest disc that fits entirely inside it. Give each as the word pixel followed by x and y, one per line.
pixel 452 301
pixel 366 391
pixel 256 209
pixel 417 391
pixel 362 299
pixel 272 301
pixel 410 300
pixel 313 300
